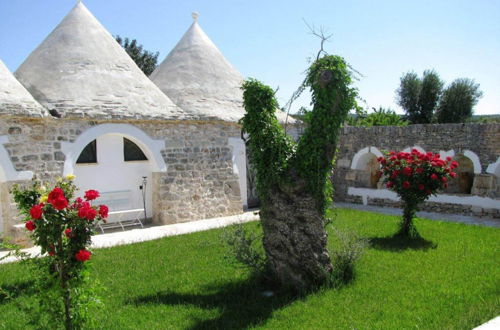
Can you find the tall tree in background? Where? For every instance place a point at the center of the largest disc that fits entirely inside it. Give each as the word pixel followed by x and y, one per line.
pixel 144 59
pixel 432 87
pixel 458 101
pixel 419 96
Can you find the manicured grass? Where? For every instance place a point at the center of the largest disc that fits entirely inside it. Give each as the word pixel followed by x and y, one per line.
pixel 450 281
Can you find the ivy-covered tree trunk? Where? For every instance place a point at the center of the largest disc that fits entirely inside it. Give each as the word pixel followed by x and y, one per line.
pixel 293 180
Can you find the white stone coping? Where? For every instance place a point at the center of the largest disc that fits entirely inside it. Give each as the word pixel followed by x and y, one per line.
pixel 493 324
pixel 152 233
pixel 484 202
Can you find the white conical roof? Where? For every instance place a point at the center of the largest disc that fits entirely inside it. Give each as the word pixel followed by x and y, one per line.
pixel 14 98
pixel 81 71
pixel 197 77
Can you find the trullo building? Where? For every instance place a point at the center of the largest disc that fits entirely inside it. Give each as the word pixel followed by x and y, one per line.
pixel 81 106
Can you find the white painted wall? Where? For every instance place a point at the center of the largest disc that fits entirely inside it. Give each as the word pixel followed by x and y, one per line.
pixel 239 160
pixel 112 173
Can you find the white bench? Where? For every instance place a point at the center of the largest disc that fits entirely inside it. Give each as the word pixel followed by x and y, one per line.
pixel 120 213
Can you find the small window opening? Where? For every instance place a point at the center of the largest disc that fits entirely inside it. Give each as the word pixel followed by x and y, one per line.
pixel 89 154
pixel 131 151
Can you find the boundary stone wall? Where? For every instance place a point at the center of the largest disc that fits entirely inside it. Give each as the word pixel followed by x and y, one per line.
pixel 481 140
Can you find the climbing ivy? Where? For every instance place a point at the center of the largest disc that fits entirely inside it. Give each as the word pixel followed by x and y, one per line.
pixel 275 157
pixel 268 144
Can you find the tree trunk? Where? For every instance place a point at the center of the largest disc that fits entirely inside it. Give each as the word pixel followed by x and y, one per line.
pixel 295 238
pixel 406 228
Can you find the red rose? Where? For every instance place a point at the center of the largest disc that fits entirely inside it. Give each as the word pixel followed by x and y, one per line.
pixel 103 211
pixel 406 185
pixel 419 170
pixel 87 212
pixel 454 164
pixel 60 203
pixel 389 184
pixel 434 176
pixel 83 255
pixel 421 187
pixel 448 159
pixel 453 174
pixel 77 203
pixel 55 194
pixel 393 158
pixel 52 253
pixel 30 225
pixel 36 211
pixel 395 174
pixel 68 232
pixel 407 171
pixel 444 179
pixel 91 214
pixel 90 195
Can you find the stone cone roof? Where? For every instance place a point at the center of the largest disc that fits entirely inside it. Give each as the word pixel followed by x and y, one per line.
pixel 197 77
pixel 81 71
pixel 15 99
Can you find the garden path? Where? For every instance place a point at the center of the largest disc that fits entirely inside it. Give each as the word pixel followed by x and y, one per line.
pixel 153 232
pixel 467 219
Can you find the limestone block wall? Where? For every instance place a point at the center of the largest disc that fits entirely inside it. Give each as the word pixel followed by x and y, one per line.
pixel 193 179
pixel 476 146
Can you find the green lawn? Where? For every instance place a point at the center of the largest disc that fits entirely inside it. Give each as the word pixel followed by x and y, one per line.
pixel 184 282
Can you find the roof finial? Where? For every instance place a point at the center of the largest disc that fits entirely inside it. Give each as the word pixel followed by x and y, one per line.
pixel 195 15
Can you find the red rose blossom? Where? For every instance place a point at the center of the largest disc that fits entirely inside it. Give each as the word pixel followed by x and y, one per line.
pixel 87 212
pixel 406 185
pixel 55 194
pixel 83 255
pixel 421 187
pixel 389 184
pixel 68 232
pixel 103 211
pixel 395 174
pixel 454 164
pixel 419 170
pixel 434 176
pixel 36 211
pixel 60 203
pixel 90 195
pixel 30 225
pixel 407 171
pixel 453 174
pixel 444 179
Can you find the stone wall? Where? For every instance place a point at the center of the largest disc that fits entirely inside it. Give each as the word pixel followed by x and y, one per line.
pixel 197 182
pixel 458 140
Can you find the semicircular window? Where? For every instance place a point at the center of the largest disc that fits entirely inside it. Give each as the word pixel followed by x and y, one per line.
pixel 89 154
pixel 131 151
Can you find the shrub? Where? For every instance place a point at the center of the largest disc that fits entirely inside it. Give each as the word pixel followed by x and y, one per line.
pixel 344 257
pixel 415 176
pixel 62 227
pixel 246 249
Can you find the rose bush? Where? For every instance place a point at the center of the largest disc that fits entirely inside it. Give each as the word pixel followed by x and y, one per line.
pixel 415 176
pixel 62 226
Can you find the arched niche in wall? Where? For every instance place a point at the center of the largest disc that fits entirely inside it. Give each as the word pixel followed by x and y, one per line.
pixel 366 167
pixel 494 168
pixel 409 149
pixel 118 169
pixel 468 166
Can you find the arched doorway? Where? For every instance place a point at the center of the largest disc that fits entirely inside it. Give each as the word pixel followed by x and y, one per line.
pixel 115 159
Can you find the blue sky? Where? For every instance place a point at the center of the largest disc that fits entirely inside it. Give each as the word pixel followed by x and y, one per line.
pixel 268 40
